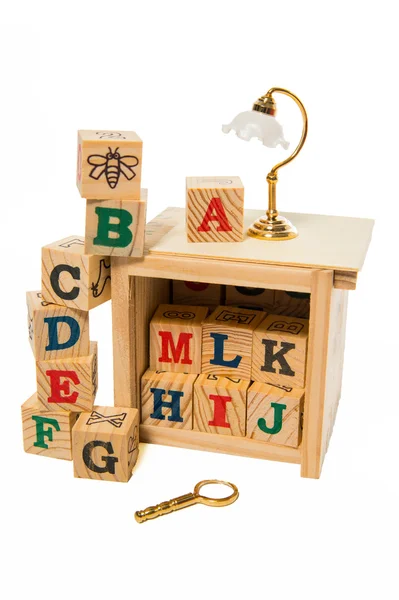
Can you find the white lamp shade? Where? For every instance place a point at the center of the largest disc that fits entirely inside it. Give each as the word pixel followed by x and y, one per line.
pixel 254 124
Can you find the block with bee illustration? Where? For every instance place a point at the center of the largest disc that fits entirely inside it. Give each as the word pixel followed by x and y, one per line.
pixel 109 165
pixel 56 331
pixel 279 351
pixel 116 227
pixel 68 384
pixel 72 278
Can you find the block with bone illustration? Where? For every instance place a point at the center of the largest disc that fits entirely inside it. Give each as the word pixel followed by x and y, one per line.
pixel 109 164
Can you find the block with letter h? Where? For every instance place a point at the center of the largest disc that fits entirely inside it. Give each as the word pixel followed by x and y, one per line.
pixel 214 209
pixel 227 341
pixel 176 338
pixel 167 399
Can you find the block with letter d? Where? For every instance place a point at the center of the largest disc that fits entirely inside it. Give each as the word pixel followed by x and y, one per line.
pixel 116 227
pixel 220 405
pixel 214 209
pixel 72 278
pixel 47 433
pixel 227 341
pixel 105 443
pixel 167 399
pixel 279 351
pixel 56 331
pixel 176 338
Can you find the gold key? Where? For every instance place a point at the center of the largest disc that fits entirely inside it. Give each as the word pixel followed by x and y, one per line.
pixel 164 508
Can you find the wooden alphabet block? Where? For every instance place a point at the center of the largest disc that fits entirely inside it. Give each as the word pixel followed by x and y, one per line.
pixel 214 209
pixel 279 351
pixel 220 405
pixel 116 227
pixel 69 383
pixel 274 413
pixel 47 433
pixel 72 278
pixel 109 165
pixel 105 443
pixel 291 304
pixel 197 294
pixel 248 297
pixel 56 331
pixel 176 338
pixel 227 341
pixel 167 399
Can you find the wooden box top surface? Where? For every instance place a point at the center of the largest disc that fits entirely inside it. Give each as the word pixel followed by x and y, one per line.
pixel 326 242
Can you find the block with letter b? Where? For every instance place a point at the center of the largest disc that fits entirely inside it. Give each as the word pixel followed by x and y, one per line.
pixel 109 165
pixel 227 341
pixel 176 338
pixel 220 405
pixel 116 227
pixel 47 433
pixel 274 413
pixel 72 278
pixel 105 443
pixel 56 331
pixel 214 209
pixel 68 383
pixel 279 351
pixel 167 399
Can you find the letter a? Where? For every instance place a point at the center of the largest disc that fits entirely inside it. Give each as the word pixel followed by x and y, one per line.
pixel 215 212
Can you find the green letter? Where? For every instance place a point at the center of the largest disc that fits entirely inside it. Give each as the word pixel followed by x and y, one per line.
pixel 105 226
pixel 278 419
pixel 42 433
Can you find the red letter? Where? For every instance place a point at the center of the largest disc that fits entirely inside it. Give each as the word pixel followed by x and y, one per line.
pixel 219 414
pixel 57 387
pixel 215 205
pixel 197 287
pixel 183 341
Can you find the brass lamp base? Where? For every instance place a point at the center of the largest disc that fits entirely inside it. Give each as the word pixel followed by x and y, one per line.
pixel 274 229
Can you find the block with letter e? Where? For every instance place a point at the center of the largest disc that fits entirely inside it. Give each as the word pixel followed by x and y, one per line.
pixel 47 433
pixel 220 405
pixel 214 209
pixel 274 413
pixel 109 164
pixel 72 278
pixel 176 338
pixel 279 351
pixel 56 331
pixel 167 399
pixel 227 341
pixel 105 443
pixel 116 227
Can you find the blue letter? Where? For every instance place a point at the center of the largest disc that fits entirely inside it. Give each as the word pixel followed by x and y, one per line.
pixel 52 323
pixel 219 351
pixel 174 405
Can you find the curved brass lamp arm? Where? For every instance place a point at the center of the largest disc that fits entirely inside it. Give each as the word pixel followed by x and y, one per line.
pixel 269 94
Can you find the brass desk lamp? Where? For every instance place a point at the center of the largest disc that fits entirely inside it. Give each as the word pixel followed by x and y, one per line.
pixel 260 123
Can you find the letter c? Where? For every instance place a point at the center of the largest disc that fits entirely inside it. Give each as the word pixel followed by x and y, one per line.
pixel 55 281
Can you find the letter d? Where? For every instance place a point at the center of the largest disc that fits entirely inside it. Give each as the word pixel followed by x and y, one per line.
pixel 74 334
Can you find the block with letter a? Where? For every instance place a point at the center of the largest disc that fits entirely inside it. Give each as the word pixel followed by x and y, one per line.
pixel 176 338
pixel 214 209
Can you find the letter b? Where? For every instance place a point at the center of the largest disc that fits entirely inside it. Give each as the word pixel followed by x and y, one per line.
pixel 123 220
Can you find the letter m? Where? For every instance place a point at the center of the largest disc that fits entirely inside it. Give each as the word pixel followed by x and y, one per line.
pixel 181 348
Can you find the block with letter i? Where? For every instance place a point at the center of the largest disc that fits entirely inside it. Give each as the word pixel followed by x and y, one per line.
pixel 220 405
pixel 279 351
pixel 56 331
pixel 47 433
pixel 68 384
pixel 227 341
pixel 116 227
pixel 109 165
pixel 167 399
pixel 105 443
pixel 274 413
pixel 214 209
pixel 72 278
pixel 176 338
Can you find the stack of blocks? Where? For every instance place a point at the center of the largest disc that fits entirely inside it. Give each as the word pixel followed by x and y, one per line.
pixel 238 372
pixel 60 419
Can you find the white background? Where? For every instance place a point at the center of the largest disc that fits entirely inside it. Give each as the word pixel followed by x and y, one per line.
pixel 174 72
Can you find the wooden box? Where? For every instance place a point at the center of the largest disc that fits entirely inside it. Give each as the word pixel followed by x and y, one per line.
pixel 323 261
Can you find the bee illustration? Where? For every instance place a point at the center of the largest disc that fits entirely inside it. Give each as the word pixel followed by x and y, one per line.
pixel 112 165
